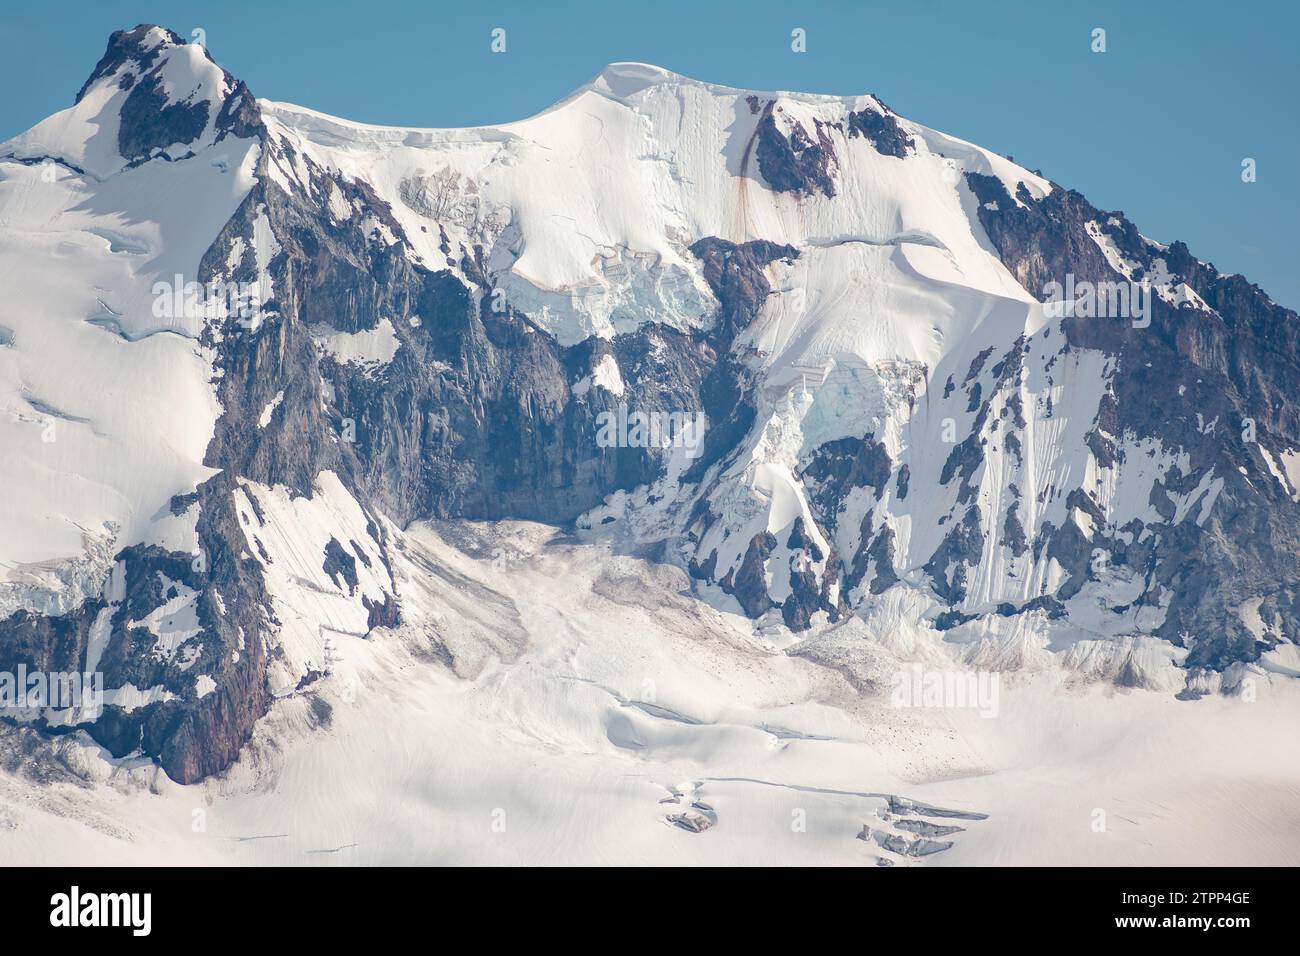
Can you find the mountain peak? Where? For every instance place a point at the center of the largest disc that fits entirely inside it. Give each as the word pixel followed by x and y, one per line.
pixel 141 45
pixel 150 95
pixel 624 79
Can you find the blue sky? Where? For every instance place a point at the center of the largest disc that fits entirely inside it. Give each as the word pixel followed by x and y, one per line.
pixel 1156 126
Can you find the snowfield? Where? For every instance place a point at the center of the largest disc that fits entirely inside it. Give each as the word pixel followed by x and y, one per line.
pixel 555 702
pixel 106 408
pixel 573 696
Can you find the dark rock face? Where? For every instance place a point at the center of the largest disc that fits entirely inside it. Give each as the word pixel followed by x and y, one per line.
pixel 882 132
pixel 192 736
pixel 47 644
pixel 126 46
pixel 1040 241
pixel 473 417
pixel 833 472
pixel 804 161
pixel 1217 381
pixel 960 549
pixel 340 565
pixel 881 555
pixel 749 585
pixel 150 122
pixel 239 116
pixel 734 272
pixel 839 466
pixel 808 595
pixel 801 162
pixel 1013 532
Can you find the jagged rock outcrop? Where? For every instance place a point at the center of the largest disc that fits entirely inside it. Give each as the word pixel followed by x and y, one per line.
pixel 1201 373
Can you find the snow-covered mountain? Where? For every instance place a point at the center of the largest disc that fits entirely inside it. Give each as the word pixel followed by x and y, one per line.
pixel 797 345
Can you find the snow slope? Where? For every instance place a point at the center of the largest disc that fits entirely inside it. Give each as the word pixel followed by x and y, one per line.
pixel 919 421
pixel 581 702
pixel 107 410
pixel 586 211
pixel 106 401
pixel 587 208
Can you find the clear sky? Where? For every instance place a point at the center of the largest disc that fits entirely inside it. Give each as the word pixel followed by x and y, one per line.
pixel 1156 126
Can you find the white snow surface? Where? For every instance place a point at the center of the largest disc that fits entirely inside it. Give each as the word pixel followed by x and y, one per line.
pixel 369 348
pixel 106 410
pixel 587 208
pixel 605 374
pixel 589 699
pixel 288 536
pixel 586 212
pixel 85 135
pixel 555 702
